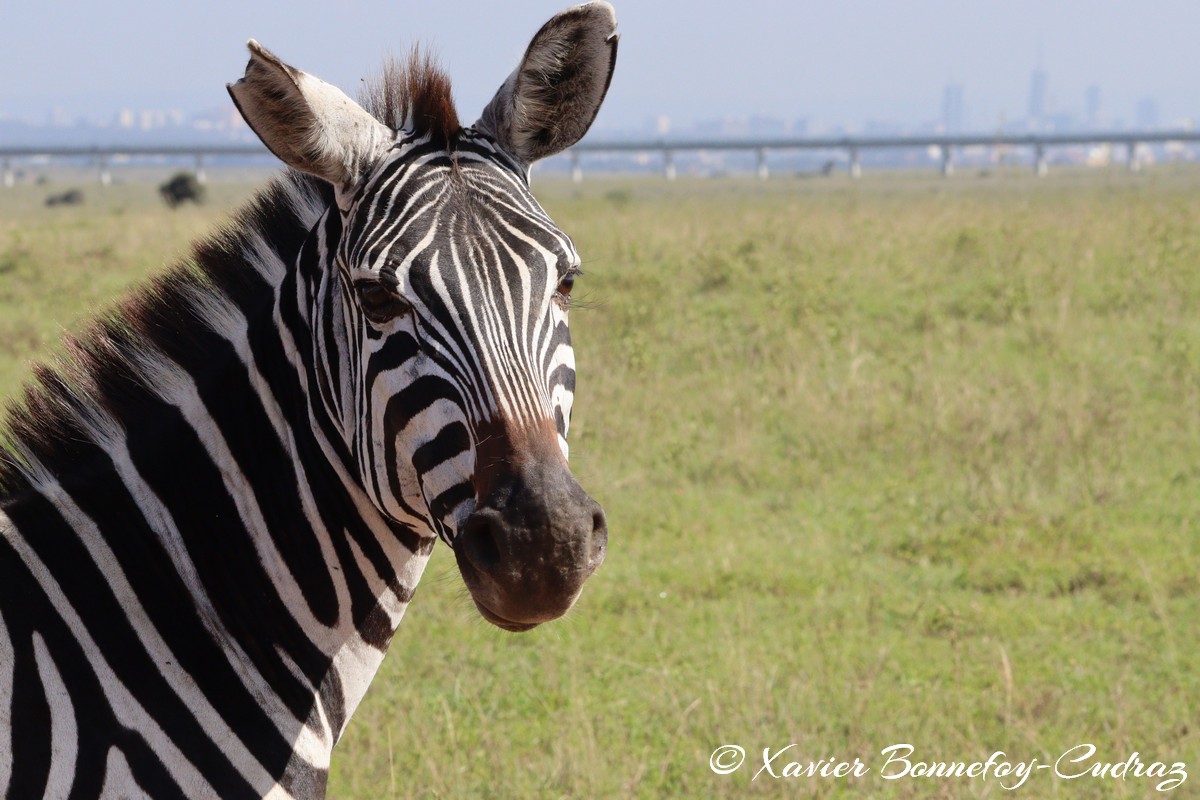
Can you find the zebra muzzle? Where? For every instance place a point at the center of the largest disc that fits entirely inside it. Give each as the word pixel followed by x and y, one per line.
pixel 530 544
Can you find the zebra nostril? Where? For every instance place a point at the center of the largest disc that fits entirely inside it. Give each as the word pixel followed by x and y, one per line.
pixel 599 541
pixel 478 540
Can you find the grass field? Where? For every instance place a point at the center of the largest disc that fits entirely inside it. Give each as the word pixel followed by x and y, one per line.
pixel 896 460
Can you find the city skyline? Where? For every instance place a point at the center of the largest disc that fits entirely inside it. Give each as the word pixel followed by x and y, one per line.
pixel 1040 117
pixel 683 67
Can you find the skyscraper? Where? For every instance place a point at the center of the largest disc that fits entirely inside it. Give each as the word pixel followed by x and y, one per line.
pixel 1037 96
pixel 1147 113
pixel 952 108
pixel 1092 107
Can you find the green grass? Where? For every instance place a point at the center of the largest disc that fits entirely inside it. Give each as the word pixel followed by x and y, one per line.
pixel 901 460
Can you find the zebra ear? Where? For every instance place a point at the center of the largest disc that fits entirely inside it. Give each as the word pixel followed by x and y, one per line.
pixel 551 99
pixel 309 124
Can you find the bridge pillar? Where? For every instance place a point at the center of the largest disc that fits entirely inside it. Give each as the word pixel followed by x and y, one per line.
pixel 9 178
pixel 855 163
pixel 105 174
pixel 200 176
pixel 669 165
pixel 762 171
pixel 1039 160
pixel 947 161
pixel 1132 163
pixel 576 168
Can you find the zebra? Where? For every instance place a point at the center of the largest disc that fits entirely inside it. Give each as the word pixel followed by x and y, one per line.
pixel 216 505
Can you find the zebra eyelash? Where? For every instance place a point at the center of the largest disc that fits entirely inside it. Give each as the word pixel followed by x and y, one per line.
pixel 562 292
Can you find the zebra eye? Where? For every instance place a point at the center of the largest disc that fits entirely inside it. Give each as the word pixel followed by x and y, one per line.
pixel 568 283
pixel 379 303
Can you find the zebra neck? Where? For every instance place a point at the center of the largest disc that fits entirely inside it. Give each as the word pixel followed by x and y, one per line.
pixel 178 505
pixel 341 571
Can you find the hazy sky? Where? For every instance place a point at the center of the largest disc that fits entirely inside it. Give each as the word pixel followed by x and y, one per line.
pixel 834 61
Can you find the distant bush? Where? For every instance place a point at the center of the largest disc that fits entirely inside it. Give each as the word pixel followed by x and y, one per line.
pixel 618 197
pixel 71 197
pixel 184 186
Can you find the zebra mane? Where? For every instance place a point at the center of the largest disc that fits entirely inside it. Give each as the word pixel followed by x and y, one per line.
pixel 101 372
pixel 415 94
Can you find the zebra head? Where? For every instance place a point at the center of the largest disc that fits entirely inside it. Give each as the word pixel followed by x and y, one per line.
pixel 439 295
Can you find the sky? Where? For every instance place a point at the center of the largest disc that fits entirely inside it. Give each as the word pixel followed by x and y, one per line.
pixel 840 62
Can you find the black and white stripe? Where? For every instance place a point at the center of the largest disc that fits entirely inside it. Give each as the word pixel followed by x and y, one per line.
pixel 215 511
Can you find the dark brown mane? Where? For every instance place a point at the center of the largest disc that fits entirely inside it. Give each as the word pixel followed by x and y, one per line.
pixel 414 93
